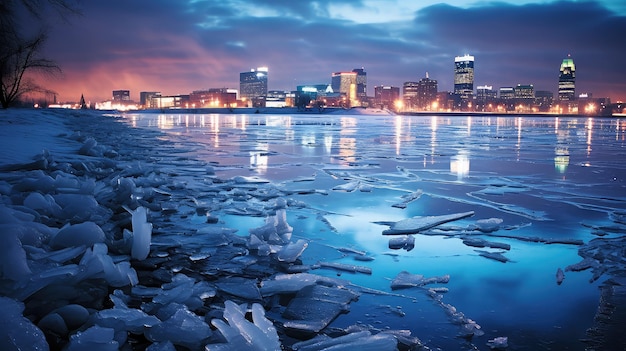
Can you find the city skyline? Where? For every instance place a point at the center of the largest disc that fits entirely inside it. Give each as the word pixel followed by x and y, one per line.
pixel 179 47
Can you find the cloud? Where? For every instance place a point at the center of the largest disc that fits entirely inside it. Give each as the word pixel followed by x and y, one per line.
pixel 177 47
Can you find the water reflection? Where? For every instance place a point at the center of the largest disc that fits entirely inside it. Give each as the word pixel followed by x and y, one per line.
pixel 345 139
pixel 460 165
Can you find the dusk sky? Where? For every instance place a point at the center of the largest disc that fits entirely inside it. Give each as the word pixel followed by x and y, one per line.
pixel 177 46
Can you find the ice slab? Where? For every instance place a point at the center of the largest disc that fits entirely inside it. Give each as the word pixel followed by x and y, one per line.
pixel 142 234
pixel 241 334
pixel 406 242
pixel 17 332
pixel 496 256
pixel 86 233
pixel 315 306
pixel 419 223
pixel 363 340
pixel 406 280
pixel 183 328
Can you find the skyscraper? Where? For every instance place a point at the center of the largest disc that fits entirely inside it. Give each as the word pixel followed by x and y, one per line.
pixel 361 84
pixel 426 93
pixel 464 77
pixel 567 80
pixel 409 95
pixel 345 83
pixel 253 86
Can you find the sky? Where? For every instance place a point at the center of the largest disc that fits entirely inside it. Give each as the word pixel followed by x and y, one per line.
pixel 178 46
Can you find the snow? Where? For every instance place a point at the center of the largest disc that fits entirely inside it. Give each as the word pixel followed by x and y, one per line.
pixel 112 236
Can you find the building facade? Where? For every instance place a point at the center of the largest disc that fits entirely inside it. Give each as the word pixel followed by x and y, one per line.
pixel 464 80
pixel 409 96
pixel 361 85
pixel 145 98
pixel 486 98
pixel 214 97
pixel 426 93
pixel 121 95
pixel 345 83
pixel 253 86
pixel 567 80
pixel 386 96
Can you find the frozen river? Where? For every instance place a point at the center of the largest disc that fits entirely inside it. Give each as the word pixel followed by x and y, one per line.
pixel 540 189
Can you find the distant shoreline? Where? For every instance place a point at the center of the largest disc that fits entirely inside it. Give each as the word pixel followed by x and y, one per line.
pixel 356 111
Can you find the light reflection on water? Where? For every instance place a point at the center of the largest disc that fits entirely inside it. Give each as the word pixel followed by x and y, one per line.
pixel 543 176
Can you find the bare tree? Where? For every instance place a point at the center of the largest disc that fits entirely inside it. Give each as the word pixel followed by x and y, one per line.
pixel 21 58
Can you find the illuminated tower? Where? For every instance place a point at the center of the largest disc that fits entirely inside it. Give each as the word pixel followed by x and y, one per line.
pixel 427 93
pixel 345 83
pixel 253 86
pixel 567 80
pixel 464 76
pixel 361 84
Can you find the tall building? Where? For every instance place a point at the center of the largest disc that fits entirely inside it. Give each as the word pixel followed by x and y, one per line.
pixel 361 84
pixel 253 86
pixel 486 98
pixel 345 83
pixel 426 93
pixel 409 95
pixel 464 78
pixel 567 80
pixel 507 98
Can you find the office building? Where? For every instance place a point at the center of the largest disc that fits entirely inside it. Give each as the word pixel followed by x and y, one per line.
pixel 486 98
pixel 121 95
pixel 386 96
pixel 524 95
pixel 145 98
pixel 253 86
pixel 361 84
pixel 409 96
pixel 426 93
pixel 345 83
pixel 544 100
pixel 567 80
pixel 507 98
pixel 214 97
pixel 464 80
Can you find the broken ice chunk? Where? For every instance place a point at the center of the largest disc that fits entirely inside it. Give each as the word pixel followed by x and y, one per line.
pixel 501 342
pixel 406 199
pixel 497 256
pixel 488 225
pixel 406 242
pixel 17 332
pixel 240 287
pixel 346 267
pixel 406 280
pixel 242 334
pixel 183 328
pixel 315 306
pixel 363 340
pixel 142 234
pixel 94 338
pixel 292 251
pixel 86 233
pixel 348 187
pixel 559 276
pixel 416 224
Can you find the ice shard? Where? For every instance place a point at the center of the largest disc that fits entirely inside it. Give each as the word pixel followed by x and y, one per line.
pixel 417 224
